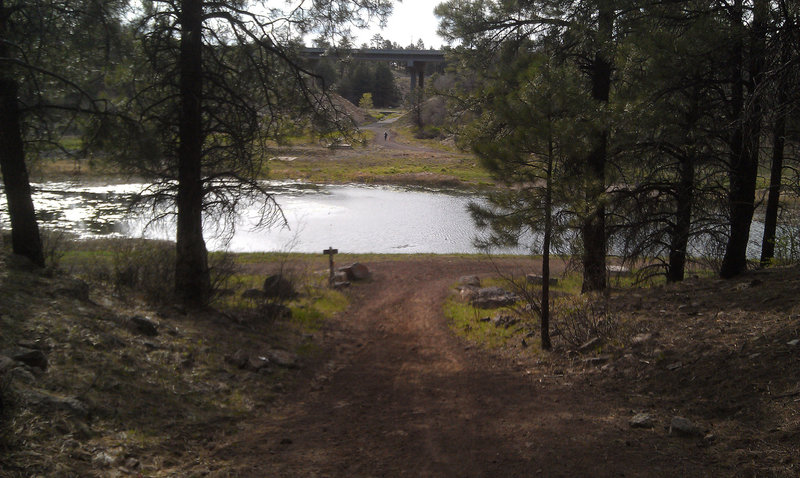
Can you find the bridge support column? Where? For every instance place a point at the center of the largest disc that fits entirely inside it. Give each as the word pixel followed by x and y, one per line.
pixel 416 70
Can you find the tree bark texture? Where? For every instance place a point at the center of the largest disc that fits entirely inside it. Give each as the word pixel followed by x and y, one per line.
pixel 776 169
pixel 676 269
pixel 593 230
pixel 192 279
pixel 548 232
pixel 744 147
pixel 25 238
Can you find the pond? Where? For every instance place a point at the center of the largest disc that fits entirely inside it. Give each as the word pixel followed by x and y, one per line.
pixel 352 218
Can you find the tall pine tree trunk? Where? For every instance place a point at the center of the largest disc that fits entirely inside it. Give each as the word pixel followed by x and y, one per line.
pixel 548 232
pixel 593 229
pixel 744 145
pixel 776 170
pixel 25 239
pixel 192 280
pixel 679 241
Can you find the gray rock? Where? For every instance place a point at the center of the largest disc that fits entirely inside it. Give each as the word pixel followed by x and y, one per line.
pixel 279 287
pixel 47 403
pixel 536 279
pixel 674 366
pixel 355 271
pixel 282 358
pixel 683 427
pixel 596 361
pixel 592 343
pixel 22 374
pixel 617 270
pixel 504 320
pixel 31 358
pixel 473 281
pixel 642 420
pixel 38 344
pixel 341 284
pixel 254 364
pixel 467 292
pixel 641 339
pixel 793 343
pixel 340 276
pixel 493 298
pixel 141 325
pixel 103 460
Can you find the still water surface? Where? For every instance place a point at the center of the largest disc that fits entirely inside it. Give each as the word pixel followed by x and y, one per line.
pixel 352 218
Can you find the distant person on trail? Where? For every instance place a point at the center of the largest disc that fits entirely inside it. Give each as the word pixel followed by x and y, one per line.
pixel 385 135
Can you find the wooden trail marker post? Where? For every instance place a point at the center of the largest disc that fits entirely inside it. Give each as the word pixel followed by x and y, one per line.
pixel 330 252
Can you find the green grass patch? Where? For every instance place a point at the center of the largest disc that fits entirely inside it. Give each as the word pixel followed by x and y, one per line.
pixel 467 322
pixel 310 314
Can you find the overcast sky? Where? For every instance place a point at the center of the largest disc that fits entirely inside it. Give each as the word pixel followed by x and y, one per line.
pixel 410 21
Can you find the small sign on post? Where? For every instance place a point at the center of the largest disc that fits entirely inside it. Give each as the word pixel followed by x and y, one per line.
pixel 330 252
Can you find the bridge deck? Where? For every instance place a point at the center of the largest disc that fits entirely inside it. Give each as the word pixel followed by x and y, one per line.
pixel 427 56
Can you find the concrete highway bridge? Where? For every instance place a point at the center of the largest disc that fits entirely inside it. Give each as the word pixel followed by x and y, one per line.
pixel 415 60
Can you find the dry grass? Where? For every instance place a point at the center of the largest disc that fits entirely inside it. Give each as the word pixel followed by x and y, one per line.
pixel 152 401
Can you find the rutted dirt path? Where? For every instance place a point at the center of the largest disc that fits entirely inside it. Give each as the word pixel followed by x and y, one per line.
pixel 390 142
pixel 401 395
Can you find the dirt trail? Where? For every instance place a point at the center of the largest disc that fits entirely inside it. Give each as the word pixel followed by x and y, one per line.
pixel 391 143
pixel 401 395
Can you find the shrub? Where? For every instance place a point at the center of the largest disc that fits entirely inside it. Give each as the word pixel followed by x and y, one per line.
pixel 146 267
pixel 577 319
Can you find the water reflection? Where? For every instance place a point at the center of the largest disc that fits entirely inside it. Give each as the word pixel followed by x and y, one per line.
pixel 353 218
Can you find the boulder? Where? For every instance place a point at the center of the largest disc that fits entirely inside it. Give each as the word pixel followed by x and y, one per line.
pixel 468 292
pixel 340 276
pixel 355 271
pixel 617 270
pixel 683 427
pixel 255 364
pixel 279 287
pixel 504 320
pixel 282 358
pixel 141 325
pixel 48 403
pixel 597 361
pixel 642 420
pixel 31 358
pixel 472 281
pixel 493 298
pixel 536 279
pixel 44 345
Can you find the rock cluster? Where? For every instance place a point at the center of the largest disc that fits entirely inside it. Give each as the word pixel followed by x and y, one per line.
pixel 257 362
pixel 344 275
pixel 484 297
